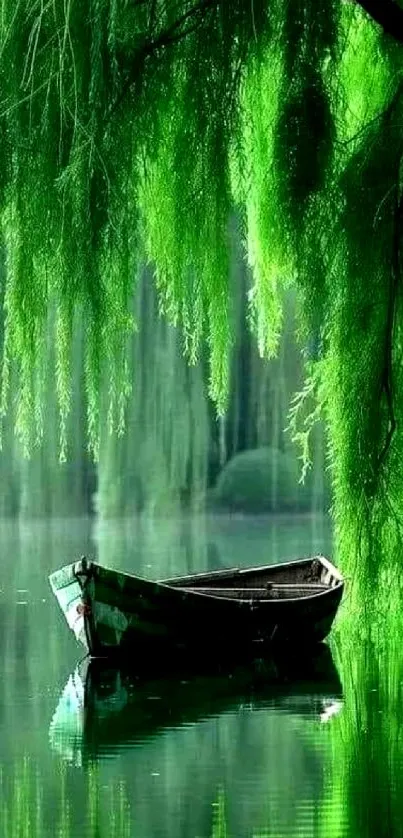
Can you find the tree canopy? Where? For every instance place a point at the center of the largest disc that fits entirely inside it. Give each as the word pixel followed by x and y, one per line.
pixel 133 130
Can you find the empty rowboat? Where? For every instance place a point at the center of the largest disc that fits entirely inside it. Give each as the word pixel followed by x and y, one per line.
pixel 113 612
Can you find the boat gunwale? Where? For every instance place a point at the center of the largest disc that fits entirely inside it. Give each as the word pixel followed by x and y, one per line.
pixel 243 570
pixel 84 567
pixel 256 601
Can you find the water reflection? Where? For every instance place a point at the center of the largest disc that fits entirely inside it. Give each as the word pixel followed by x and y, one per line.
pixel 104 709
pixel 216 756
pixel 197 754
pixel 367 739
pixel 158 547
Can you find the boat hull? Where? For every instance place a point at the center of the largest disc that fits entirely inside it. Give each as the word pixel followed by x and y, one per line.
pixel 115 614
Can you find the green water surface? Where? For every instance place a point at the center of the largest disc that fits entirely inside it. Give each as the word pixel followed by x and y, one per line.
pixel 195 755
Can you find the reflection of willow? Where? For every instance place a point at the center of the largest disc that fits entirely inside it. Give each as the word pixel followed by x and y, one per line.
pixel 161 547
pixel 29 811
pixel 106 809
pixel 175 545
pixel 366 784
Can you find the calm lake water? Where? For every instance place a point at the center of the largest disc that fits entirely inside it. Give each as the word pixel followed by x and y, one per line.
pixel 201 756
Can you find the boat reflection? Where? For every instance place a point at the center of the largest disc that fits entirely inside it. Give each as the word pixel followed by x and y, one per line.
pixel 104 708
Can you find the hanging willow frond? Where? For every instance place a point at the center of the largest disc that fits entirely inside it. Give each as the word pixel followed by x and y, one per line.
pixel 131 129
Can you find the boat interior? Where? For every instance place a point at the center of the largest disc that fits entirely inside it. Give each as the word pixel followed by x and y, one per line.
pixel 293 580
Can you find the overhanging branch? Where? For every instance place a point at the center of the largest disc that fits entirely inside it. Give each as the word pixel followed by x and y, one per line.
pixel 187 23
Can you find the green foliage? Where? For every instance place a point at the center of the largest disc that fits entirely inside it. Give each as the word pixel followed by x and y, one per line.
pixel 66 200
pixel 255 186
pixel 132 128
pixel 262 480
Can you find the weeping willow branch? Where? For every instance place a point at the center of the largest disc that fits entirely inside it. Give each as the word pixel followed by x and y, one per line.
pixel 395 278
pixel 132 130
pixel 167 38
pixel 387 377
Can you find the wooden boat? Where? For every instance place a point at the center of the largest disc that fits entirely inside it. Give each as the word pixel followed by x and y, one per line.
pixel 112 612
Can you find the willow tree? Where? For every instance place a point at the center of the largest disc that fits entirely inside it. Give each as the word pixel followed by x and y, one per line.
pixel 134 129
